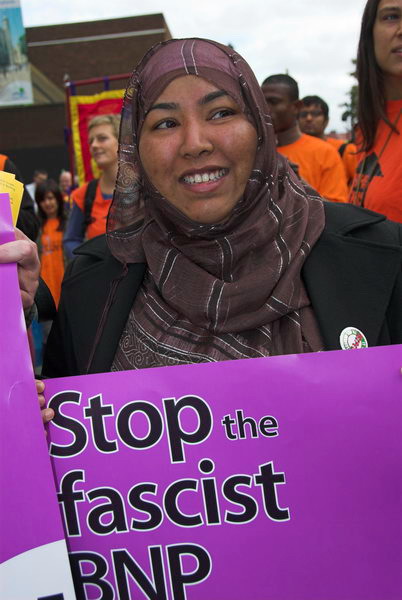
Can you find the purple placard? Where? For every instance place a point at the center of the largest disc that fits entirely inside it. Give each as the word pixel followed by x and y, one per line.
pixel 31 532
pixel 305 506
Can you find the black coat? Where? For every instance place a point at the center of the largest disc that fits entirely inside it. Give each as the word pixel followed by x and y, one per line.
pixel 353 277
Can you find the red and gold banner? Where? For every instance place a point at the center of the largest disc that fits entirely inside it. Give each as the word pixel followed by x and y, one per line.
pixel 82 110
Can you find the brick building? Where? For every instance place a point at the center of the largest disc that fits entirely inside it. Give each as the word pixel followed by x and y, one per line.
pixel 33 136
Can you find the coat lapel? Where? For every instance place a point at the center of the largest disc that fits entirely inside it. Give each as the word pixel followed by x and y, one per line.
pixel 350 282
pixel 117 316
pixel 90 288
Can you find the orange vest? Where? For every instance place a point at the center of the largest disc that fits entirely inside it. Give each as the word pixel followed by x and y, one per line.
pixel 3 159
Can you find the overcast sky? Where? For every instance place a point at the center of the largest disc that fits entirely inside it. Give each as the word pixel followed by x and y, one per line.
pixel 313 40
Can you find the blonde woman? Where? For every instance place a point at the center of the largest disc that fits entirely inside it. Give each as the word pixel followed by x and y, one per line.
pixel 91 201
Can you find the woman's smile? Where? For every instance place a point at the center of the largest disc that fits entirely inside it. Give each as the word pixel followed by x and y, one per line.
pixel 207 175
pixel 198 148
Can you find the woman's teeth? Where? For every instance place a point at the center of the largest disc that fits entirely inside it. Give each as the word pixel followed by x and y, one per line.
pixel 204 177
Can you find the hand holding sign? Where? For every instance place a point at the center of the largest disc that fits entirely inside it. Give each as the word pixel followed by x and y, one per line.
pixel 47 413
pixel 24 252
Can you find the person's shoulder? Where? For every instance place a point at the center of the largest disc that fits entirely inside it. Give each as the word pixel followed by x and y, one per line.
pixel 94 262
pixel 350 147
pixel 318 145
pixel 89 254
pixel 335 142
pixel 81 188
pixel 324 156
pixel 97 248
pixel 78 194
pixel 325 147
pixel 348 219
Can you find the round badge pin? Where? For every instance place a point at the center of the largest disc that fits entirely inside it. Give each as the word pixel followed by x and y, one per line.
pixel 352 338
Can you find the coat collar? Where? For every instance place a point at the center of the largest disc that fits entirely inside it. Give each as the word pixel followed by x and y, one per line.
pixel 97 328
pixel 348 277
pixel 350 274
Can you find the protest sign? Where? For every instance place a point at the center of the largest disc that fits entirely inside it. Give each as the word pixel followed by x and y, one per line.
pixel 33 554
pixel 276 478
pixel 15 189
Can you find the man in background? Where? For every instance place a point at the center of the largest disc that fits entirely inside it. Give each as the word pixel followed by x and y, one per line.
pixel 65 185
pixel 313 120
pixel 318 162
pixel 39 176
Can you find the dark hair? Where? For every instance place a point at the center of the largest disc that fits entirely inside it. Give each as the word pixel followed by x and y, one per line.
pixel 287 80
pixel 371 100
pixel 40 192
pixel 309 100
pixel 40 172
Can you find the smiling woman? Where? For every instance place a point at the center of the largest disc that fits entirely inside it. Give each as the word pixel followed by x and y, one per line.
pixel 215 249
pixel 190 122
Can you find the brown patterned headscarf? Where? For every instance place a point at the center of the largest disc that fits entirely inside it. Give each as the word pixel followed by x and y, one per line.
pixel 212 291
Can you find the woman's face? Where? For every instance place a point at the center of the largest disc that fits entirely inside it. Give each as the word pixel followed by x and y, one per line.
pixel 198 149
pixel 387 35
pixel 103 145
pixel 49 205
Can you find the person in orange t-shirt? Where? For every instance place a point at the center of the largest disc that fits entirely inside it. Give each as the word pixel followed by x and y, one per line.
pixel 313 120
pixel 318 163
pixel 50 203
pixel 103 131
pixel 378 180
pixel 348 153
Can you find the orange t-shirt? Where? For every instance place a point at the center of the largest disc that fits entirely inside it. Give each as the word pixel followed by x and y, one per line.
pixel 100 209
pixel 349 157
pixel 52 259
pixel 377 184
pixel 320 165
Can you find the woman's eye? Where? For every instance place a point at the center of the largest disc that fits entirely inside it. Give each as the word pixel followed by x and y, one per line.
pixel 221 114
pixel 390 17
pixel 166 124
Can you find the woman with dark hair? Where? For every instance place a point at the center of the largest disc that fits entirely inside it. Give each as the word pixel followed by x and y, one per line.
pixel 378 181
pixel 50 203
pixel 215 250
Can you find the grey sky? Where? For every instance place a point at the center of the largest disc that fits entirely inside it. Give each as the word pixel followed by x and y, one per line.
pixel 314 40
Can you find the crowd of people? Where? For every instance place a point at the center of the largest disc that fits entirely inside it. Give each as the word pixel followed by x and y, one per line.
pixel 226 223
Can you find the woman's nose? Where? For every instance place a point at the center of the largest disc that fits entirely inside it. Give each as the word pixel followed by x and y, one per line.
pixel 196 140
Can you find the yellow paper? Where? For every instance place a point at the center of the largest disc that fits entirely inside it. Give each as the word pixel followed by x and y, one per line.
pixel 10 185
